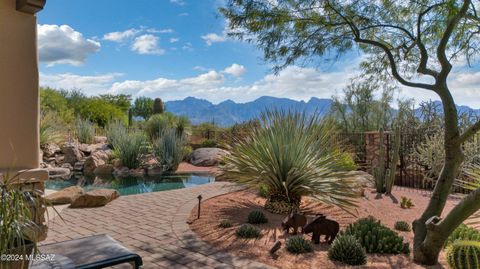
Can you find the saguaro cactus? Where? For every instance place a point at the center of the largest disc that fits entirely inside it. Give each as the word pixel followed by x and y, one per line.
pixel 158 106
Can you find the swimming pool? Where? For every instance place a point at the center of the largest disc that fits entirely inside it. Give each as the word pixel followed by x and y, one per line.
pixel 134 185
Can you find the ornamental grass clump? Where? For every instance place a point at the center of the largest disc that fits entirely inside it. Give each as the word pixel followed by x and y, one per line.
pixel 248 231
pixel 298 245
pixel 293 155
pixel 129 147
pixel 346 249
pixel 116 132
pixel 376 238
pixel 257 217
pixel 84 131
pixel 169 149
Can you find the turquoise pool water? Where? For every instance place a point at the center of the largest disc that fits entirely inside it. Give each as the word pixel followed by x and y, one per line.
pixel 134 185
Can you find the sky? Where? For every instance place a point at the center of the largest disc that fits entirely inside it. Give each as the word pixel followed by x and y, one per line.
pixel 173 49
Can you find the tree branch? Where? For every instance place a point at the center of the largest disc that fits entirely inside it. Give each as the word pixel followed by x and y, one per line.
pixel 423 66
pixel 472 130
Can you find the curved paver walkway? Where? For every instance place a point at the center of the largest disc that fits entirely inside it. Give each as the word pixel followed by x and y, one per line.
pixel 153 225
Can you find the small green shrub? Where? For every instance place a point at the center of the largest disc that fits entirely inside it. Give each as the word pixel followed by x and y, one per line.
pixel 116 132
pixel 169 148
pixel 464 254
pixel 52 130
pixel 298 245
pixel 465 233
pixel 209 143
pixel 377 238
pixel 263 190
pixel 248 231
pixel 225 224
pixel 402 226
pixel 156 125
pixel 347 249
pixel 257 217
pixel 128 149
pixel 85 131
pixel 406 203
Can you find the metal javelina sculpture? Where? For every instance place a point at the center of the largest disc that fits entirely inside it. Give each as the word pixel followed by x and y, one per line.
pixel 295 221
pixel 322 226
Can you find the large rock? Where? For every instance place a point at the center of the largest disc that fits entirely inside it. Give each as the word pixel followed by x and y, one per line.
pixel 92 162
pixel 65 196
pixel 95 198
pixel 362 180
pixel 105 169
pixel 49 150
pixel 100 139
pixel 59 173
pixel 207 156
pixel 72 153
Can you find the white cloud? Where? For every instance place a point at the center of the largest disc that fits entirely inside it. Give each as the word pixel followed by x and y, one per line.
pixel 159 31
pixel 147 44
pixel 174 40
pixel 121 36
pixel 178 2
pixel 213 38
pixel 61 44
pixel 235 70
pixel 91 85
pixel 183 14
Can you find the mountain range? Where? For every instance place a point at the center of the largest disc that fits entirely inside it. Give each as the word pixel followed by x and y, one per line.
pixel 229 112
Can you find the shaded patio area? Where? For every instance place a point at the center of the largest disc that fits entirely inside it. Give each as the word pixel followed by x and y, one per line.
pixel 152 225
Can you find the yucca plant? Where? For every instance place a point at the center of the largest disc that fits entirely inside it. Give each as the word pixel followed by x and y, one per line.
pixel 129 147
pixel 169 149
pixel 293 155
pixel 116 132
pixel 18 230
pixel 84 130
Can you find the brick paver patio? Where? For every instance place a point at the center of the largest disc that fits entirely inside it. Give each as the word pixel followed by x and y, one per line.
pixel 153 225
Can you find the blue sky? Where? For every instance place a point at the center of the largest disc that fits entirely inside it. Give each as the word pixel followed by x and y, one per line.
pixel 177 48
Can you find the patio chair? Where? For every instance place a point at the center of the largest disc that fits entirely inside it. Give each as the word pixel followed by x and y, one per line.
pixel 98 251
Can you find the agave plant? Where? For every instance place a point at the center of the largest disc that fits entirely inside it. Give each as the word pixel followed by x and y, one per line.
pixel 169 149
pixel 293 155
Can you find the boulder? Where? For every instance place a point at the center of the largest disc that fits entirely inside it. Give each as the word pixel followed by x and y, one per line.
pixel 121 171
pixel 105 169
pixel 207 156
pixel 95 198
pixel 68 166
pixel 65 196
pixel 50 149
pixel 72 153
pixel 362 181
pixel 60 159
pixel 96 159
pixel 59 173
pixel 100 139
pixel 85 148
pixel 78 167
pixel 154 171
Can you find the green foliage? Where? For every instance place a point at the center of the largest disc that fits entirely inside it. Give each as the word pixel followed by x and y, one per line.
pixel 402 226
pixel 55 102
pixel 128 148
pixel 347 249
pixel 298 245
pixel 121 101
pixel 406 203
pixel 294 156
pixel 51 129
pixel 116 132
pixel 143 107
pixel 225 224
pixel 84 131
pixel 158 123
pixel 463 233
pixel 263 190
pixel 463 255
pixel 100 111
pixel 377 238
pixel 209 143
pixel 257 217
pixel 248 231
pixel 158 106
pixel 169 149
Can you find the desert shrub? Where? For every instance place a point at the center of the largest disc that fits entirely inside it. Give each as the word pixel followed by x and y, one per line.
pixel 263 190
pixel 346 249
pixel 143 107
pixel 464 254
pixel 186 152
pixel 402 226
pixel 463 233
pixel 129 147
pixel 55 101
pixel 377 238
pixel 209 143
pixel 51 129
pixel 156 125
pixel 406 203
pixel 116 131
pixel 84 131
pixel 248 231
pixel 100 111
pixel 169 149
pixel 225 224
pixel 182 123
pixel 298 245
pixel 294 156
pixel 257 217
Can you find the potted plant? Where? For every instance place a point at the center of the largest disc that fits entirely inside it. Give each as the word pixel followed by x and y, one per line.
pixel 18 229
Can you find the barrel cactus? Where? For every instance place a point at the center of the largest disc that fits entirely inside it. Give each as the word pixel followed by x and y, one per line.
pixel 464 254
pixel 158 107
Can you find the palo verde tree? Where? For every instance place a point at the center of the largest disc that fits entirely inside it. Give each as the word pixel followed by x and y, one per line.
pixel 413 42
